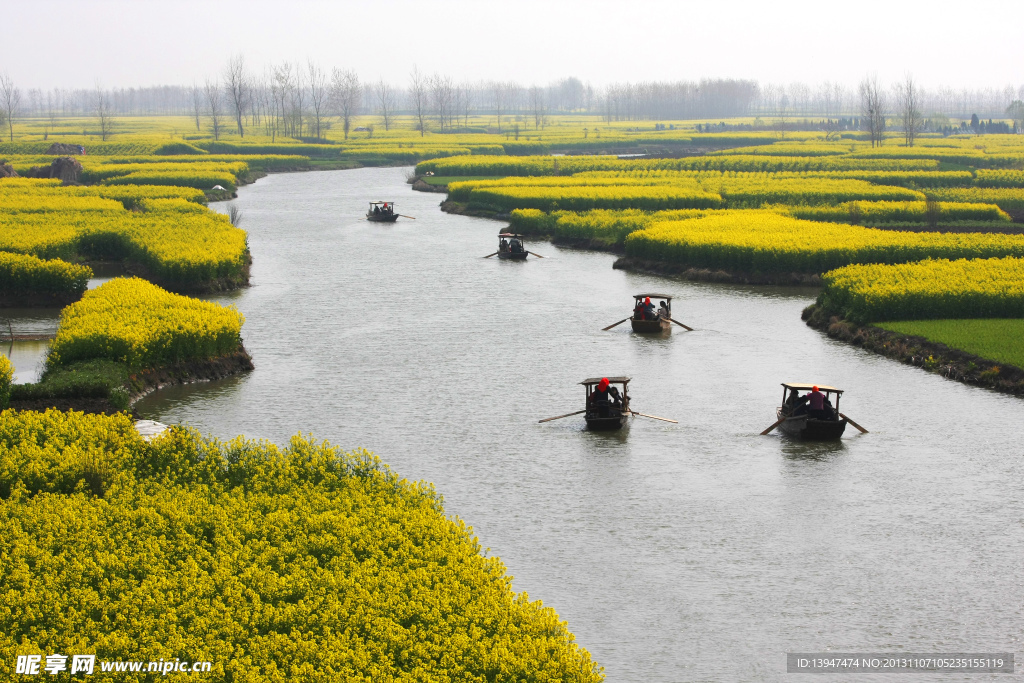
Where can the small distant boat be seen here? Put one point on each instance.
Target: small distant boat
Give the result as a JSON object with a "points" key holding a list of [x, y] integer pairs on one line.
{"points": [[382, 212], [510, 246], [662, 321], [797, 421], [651, 321], [608, 410]]}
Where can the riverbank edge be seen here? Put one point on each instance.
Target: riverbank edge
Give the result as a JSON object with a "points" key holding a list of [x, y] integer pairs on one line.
{"points": [[38, 299], [700, 274], [190, 372], [951, 363], [145, 382]]}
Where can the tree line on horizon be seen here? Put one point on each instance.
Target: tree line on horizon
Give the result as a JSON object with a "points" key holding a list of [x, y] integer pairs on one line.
{"points": [[297, 100]]}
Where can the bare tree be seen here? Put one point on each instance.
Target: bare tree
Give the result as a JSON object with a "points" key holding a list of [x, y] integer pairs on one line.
{"points": [[513, 97], [214, 107], [10, 101], [1016, 112], [281, 89], [196, 96], [782, 113], [908, 100], [318, 95], [499, 100], [51, 109], [872, 105], [104, 112], [466, 102], [536, 105], [441, 93], [237, 85], [832, 98], [385, 102], [418, 98], [346, 94], [298, 104]]}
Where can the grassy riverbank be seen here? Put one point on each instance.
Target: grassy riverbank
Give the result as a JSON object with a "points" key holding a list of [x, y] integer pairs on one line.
{"points": [[945, 347], [1001, 340]]}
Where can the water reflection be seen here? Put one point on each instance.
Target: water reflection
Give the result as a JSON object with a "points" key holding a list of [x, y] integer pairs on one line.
{"points": [[28, 359], [797, 449]]}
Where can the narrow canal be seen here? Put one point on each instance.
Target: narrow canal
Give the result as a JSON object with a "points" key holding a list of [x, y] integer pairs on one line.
{"points": [[697, 551]]}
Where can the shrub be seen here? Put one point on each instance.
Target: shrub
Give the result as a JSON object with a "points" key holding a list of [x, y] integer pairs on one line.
{"points": [[177, 148], [130, 321], [25, 274], [6, 377]]}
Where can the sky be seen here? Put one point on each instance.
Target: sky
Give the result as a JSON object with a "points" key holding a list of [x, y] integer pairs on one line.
{"points": [[117, 43]]}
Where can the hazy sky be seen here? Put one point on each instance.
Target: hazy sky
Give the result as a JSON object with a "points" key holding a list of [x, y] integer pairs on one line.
{"points": [[66, 43]]}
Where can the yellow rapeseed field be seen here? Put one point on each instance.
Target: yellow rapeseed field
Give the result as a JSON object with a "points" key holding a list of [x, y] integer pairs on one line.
{"points": [[768, 241], [180, 243], [929, 289], [275, 564], [131, 321]]}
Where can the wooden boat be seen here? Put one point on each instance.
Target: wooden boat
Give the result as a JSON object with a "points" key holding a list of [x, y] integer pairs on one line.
{"points": [[607, 417], [382, 212], [659, 324], [829, 425], [511, 247]]}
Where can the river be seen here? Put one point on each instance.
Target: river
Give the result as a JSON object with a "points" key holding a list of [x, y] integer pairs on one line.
{"points": [[697, 551]]}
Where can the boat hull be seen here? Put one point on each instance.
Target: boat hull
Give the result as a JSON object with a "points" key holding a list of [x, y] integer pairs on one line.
{"points": [[512, 256], [378, 218], [606, 424], [650, 326], [812, 429]]}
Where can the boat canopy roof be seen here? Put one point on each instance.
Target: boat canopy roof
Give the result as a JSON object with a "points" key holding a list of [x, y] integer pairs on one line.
{"points": [[510, 234], [372, 203], [804, 386], [653, 296], [611, 380]]}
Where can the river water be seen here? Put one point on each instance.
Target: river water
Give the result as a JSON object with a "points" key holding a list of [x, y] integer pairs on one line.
{"points": [[697, 551]]}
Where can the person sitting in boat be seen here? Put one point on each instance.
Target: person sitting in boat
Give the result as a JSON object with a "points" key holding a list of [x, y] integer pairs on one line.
{"points": [[376, 210], [793, 401], [816, 403], [663, 311], [503, 245], [516, 246], [649, 311], [828, 409], [604, 398], [388, 209]]}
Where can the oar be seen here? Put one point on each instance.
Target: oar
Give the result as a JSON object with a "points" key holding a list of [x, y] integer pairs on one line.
{"points": [[549, 419], [618, 323], [682, 325], [862, 430], [490, 255], [404, 216], [655, 417], [537, 255], [780, 421]]}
